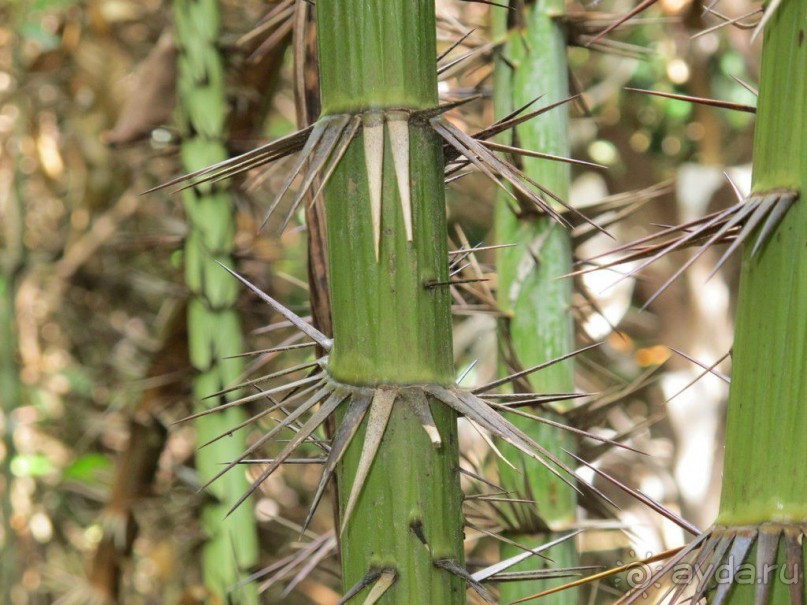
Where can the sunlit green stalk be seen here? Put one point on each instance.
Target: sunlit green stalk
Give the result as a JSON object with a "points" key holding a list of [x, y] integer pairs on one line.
{"points": [[390, 327], [12, 264], [539, 322], [10, 385], [764, 478], [214, 329], [767, 415]]}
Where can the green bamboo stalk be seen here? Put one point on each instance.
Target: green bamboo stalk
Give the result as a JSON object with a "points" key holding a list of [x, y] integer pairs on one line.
{"points": [[10, 400], [390, 328], [766, 411], [764, 491], [12, 264], [539, 324], [214, 329], [763, 478]]}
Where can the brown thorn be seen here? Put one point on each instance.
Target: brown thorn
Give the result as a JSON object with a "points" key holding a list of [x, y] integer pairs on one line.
{"points": [[644, 5], [699, 100], [659, 508]]}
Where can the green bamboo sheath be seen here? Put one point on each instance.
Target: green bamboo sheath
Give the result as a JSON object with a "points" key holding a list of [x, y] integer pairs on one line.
{"points": [[389, 327], [537, 304], [214, 329]]}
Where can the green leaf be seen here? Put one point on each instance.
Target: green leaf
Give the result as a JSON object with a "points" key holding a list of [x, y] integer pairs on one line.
{"points": [[32, 465], [87, 468]]}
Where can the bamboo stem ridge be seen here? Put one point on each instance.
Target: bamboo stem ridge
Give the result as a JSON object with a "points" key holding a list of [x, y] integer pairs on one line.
{"points": [[386, 230], [539, 324], [214, 329]]}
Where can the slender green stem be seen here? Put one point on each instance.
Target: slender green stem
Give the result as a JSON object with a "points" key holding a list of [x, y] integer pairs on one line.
{"points": [[12, 263], [539, 325], [10, 399], [390, 327], [764, 478], [214, 329]]}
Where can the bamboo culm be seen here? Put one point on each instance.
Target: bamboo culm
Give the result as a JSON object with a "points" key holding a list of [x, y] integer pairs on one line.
{"points": [[214, 329], [538, 326], [390, 330]]}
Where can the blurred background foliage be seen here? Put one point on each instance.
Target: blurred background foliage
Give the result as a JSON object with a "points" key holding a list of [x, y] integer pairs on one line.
{"points": [[92, 270]]}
